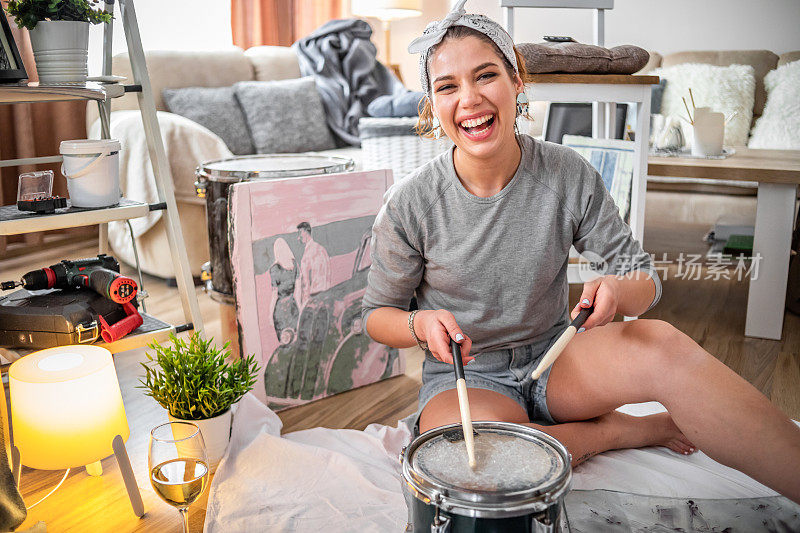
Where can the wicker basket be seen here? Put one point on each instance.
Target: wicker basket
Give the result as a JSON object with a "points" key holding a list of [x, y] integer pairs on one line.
{"points": [[392, 143]]}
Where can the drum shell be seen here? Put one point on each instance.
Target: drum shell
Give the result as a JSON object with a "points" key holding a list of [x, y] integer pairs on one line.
{"points": [[538, 509], [421, 519]]}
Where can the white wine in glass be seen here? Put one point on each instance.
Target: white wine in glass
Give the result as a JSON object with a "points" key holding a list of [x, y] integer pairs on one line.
{"points": [[178, 465]]}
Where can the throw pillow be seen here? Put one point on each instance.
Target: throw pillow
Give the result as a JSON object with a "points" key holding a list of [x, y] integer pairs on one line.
{"points": [[214, 108], [728, 90], [779, 125], [582, 58], [284, 116], [400, 105]]}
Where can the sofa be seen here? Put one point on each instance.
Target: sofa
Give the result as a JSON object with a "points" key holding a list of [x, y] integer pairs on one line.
{"points": [[187, 144], [693, 201]]}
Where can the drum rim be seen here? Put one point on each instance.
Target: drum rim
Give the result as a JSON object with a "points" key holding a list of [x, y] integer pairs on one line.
{"points": [[481, 504], [338, 164]]}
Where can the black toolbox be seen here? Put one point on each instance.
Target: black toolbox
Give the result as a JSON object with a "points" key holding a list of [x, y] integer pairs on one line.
{"points": [[47, 318]]}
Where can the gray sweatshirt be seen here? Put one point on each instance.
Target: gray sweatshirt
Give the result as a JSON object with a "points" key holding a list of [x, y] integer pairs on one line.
{"points": [[499, 264]]}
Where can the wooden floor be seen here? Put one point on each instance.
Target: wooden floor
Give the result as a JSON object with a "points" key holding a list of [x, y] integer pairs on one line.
{"points": [[711, 312]]}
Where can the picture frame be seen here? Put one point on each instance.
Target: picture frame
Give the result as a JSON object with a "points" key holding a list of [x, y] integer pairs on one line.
{"points": [[12, 68]]}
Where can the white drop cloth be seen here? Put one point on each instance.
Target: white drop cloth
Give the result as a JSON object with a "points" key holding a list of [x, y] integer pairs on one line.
{"points": [[346, 480]]}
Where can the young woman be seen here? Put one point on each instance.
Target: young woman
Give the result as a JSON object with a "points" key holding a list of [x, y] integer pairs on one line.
{"points": [[482, 234]]}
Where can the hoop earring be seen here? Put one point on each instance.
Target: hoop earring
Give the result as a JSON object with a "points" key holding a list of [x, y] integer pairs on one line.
{"points": [[522, 104]]}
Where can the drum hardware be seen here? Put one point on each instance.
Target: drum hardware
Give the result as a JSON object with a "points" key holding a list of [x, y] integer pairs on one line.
{"points": [[440, 524]]}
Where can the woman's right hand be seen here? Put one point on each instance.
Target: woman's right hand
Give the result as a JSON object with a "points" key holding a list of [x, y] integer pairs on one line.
{"points": [[437, 328]]}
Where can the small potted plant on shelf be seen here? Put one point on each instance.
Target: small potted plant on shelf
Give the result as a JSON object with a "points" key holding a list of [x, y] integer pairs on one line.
{"points": [[195, 382], [59, 35]]}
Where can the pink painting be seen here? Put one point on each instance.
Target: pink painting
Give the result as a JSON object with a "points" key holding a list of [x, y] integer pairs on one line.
{"points": [[300, 256]]}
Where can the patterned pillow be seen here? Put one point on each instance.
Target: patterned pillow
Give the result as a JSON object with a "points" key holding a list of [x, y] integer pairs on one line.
{"points": [[779, 125], [728, 90], [284, 116], [214, 108]]}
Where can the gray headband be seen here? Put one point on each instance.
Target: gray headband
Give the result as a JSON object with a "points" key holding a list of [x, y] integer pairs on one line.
{"points": [[436, 30]]}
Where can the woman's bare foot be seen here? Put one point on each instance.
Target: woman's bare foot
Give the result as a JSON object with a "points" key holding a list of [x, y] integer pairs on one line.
{"points": [[652, 430]]}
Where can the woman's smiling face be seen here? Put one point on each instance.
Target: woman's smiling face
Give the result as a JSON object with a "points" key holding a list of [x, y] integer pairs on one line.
{"points": [[473, 95]]}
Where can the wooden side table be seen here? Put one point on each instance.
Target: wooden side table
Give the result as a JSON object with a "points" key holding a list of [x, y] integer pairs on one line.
{"points": [[778, 175]]}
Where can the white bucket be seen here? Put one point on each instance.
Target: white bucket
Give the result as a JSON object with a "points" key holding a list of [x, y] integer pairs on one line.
{"points": [[92, 171]]}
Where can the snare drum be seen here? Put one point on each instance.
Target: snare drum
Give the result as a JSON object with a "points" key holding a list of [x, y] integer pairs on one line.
{"points": [[214, 179], [519, 484]]}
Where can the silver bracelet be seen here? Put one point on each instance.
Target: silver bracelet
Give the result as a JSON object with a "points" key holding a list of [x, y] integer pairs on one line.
{"points": [[421, 344]]}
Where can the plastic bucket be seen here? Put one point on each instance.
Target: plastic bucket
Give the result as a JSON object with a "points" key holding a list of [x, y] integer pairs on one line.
{"points": [[92, 171]]}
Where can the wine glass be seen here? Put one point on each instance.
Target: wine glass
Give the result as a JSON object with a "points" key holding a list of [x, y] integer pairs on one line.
{"points": [[178, 465]]}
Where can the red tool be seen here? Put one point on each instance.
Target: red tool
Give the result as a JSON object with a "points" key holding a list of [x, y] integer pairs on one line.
{"points": [[99, 273]]}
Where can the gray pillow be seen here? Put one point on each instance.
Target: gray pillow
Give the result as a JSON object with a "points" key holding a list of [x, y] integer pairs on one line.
{"points": [[582, 58], [215, 108], [284, 116]]}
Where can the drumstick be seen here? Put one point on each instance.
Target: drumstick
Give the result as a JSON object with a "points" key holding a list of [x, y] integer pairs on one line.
{"points": [[558, 346], [463, 402]]}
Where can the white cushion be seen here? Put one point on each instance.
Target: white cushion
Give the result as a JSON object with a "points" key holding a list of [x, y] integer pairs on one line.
{"points": [[779, 126], [724, 89]]}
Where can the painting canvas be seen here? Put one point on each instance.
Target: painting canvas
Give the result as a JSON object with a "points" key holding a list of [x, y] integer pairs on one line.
{"points": [[300, 258]]}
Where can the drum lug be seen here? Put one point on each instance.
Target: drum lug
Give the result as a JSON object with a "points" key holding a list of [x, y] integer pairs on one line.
{"points": [[441, 524], [200, 183], [402, 454]]}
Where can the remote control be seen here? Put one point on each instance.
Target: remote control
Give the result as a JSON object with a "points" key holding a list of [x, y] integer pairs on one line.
{"points": [[559, 39]]}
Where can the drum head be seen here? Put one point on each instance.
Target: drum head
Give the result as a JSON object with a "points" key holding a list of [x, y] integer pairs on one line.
{"points": [[265, 166], [506, 462], [518, 469]]}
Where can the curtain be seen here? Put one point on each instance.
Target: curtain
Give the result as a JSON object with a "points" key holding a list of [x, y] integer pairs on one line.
{"points": [[33, 130], [279, 22]]}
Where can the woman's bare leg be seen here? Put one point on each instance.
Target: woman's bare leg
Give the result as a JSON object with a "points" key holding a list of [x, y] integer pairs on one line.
{"points": [[644, 360], [583, 439]]}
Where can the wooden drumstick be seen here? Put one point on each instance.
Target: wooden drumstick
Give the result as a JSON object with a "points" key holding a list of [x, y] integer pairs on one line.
{"points": [[558, 346], [463, 402]]}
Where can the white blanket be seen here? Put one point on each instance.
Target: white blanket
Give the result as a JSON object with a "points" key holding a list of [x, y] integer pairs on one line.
{"points": [[186, 144], [346, 480]]}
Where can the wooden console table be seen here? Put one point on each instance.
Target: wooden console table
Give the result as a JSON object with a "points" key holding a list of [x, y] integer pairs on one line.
{"points": [[778, 175]]}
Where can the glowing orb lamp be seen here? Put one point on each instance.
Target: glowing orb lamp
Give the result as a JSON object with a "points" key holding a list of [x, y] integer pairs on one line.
{"points": [[67, 411]]}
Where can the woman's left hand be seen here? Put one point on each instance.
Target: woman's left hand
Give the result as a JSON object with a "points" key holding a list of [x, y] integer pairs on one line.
{"points": [[603, 294]]}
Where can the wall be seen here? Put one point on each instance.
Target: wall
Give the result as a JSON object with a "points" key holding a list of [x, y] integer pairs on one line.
{"points": [[170, 25], [664, 26]]}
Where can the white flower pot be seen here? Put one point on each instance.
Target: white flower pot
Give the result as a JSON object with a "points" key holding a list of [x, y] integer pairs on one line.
{"points": [[216, 435], [60, 48]]}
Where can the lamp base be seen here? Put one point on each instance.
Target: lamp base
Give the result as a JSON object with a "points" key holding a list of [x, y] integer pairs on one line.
{"points": [[124, 462], [95, 469]]}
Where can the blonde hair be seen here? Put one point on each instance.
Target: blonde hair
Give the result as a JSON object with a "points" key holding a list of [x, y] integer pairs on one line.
{"points": [[424, 126]]}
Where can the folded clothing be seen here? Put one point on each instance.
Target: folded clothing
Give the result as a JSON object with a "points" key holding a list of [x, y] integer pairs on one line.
{"points": [[396, 105], [582, 58]]}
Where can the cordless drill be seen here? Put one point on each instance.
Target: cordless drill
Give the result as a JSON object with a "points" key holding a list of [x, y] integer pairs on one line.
{"points": [[99, 273]]}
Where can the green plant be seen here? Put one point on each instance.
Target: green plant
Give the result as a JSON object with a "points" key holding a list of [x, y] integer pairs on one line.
{"points": [[27, 13], [193, 381]]}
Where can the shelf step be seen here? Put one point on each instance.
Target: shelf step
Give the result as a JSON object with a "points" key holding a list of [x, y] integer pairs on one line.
{"points": [[14, 222]]}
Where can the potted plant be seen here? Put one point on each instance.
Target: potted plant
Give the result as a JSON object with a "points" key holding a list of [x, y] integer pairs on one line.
{"points": [[59, 35], [194, 382]]}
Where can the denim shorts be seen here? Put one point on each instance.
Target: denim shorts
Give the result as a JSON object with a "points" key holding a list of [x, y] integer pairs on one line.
{"points": [[505, 371]]}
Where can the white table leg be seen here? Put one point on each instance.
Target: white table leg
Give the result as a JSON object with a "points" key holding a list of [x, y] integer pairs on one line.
{"points": [[772, 242], [640, 148]]}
